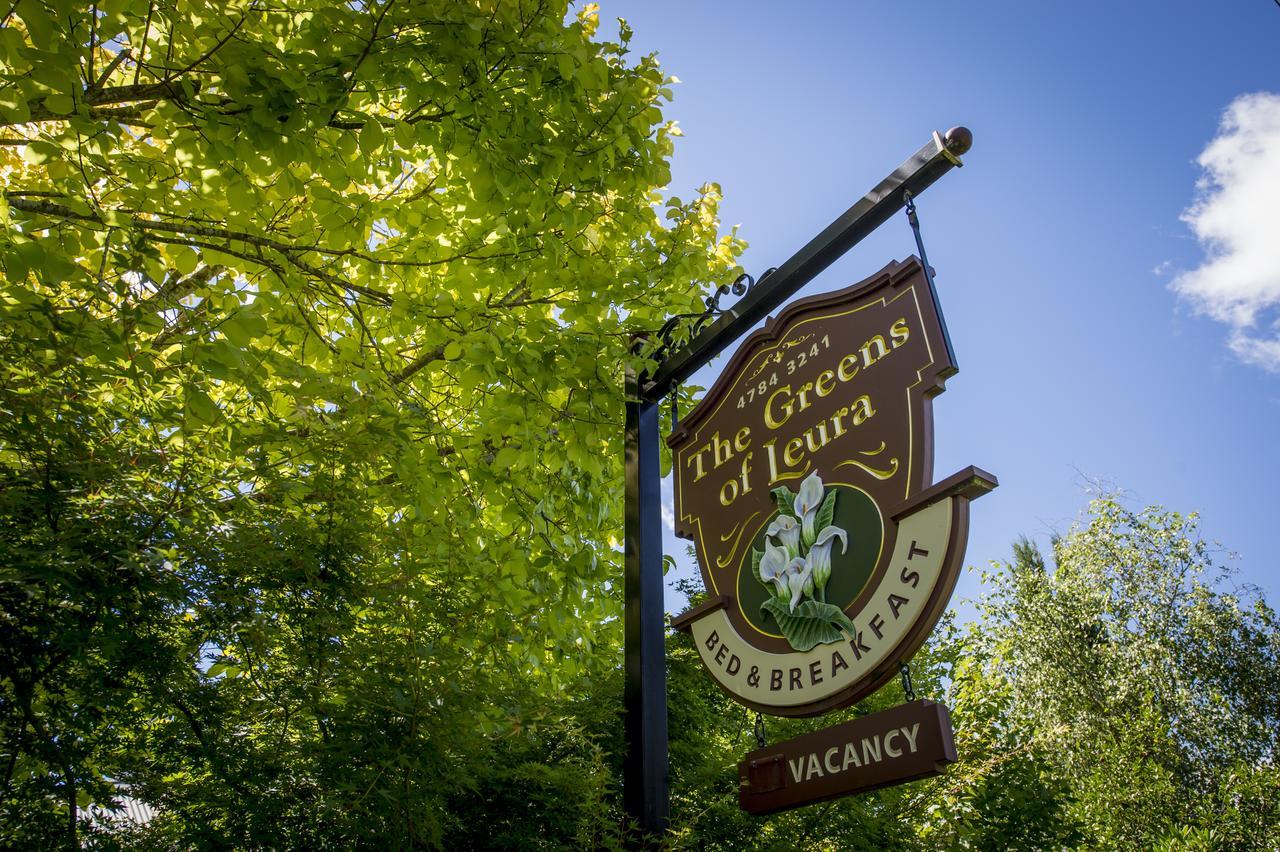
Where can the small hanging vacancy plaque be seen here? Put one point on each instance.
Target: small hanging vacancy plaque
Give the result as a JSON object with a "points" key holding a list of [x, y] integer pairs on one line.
{"points": [[904, 743], [805, 480]]}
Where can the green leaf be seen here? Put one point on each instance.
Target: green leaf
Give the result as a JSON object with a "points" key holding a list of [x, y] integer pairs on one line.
{"points": [[201, 408], [564, 64], [185, 260], [59, 103], [826, 512], [786, 500], [13, 106], [756, 556], [243, 326], [39, 23], [371, 137], [812, 623]]}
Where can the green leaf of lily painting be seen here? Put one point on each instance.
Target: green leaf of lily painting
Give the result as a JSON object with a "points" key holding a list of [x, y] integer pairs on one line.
{"points": [[783, 496], [827, 511], [810, 624]]}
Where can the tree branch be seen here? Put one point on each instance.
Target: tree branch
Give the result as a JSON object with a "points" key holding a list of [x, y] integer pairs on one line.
{"points": [[108, 96], [17, 201], [417, 364]]}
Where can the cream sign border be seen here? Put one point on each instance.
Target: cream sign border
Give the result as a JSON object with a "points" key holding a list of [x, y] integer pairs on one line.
{"points": [[899, 614]]}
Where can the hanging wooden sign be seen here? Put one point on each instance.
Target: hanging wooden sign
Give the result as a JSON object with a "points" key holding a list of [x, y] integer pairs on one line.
{"points": [[805, 480], [905, 743]]}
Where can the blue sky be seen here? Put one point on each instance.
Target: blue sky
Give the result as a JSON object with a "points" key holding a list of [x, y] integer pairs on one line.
{"points": [[1056, 245]]}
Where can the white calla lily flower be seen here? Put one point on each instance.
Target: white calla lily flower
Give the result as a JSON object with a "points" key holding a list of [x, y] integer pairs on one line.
{"points": [[806, 505], [819, 558], [799, 580], [773, 568], [785, 528]]}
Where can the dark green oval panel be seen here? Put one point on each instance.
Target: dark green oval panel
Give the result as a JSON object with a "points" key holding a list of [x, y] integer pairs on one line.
{"points": [[858, 516]]}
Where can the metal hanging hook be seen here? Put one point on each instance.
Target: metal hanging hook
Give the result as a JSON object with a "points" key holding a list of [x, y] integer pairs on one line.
{"points": [[761, 739]]}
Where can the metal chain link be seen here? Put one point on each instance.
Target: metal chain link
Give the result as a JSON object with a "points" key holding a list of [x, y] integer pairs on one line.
{"points": [[761, 739], [908, 688], [913, 219]]}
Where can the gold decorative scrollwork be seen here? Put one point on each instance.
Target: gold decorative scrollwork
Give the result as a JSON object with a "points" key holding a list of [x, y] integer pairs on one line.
{"points": [[776, 357], [878, 474], [738, 531]]}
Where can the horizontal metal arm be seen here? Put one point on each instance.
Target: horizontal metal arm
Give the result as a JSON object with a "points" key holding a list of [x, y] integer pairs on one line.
{"points": [[925, 166]]}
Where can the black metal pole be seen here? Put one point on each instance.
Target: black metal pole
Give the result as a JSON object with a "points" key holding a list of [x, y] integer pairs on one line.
{"points": [[645, 794], [925, 166]]}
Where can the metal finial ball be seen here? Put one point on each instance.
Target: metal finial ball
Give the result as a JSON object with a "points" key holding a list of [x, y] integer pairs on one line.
{"points": [[959, 140]]}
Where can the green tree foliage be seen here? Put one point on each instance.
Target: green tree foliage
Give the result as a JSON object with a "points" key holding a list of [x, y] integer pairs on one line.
{"points": [[1122, 699], [312, 339]]}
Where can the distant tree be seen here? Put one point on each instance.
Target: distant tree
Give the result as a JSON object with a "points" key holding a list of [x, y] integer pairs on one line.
{"points": [[1123, 698]]}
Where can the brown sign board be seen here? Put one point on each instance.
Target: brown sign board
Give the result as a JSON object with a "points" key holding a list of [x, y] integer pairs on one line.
{"points": [[905, 743], [804, 478]]}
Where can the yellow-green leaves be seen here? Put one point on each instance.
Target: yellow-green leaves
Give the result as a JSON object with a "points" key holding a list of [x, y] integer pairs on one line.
{"points": [[185, 260], [200, 407], [371, 138], [40, 22], [334, 303]]}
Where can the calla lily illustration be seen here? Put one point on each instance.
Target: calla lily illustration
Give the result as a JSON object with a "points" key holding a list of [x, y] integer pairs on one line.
{"points": [[799, 580], [788, 532], [796, 563], [819, 558], [773, 569], [806, 506]]}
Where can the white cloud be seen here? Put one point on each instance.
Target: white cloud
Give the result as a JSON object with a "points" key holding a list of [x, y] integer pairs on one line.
{"points": [[1236, 218]]}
